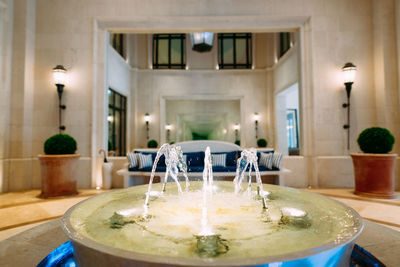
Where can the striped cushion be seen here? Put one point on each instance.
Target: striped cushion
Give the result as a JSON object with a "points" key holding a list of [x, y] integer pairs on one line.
{"points": [[145, 160], [132, 159], [276, 161], [266, 159], [218, 160]]}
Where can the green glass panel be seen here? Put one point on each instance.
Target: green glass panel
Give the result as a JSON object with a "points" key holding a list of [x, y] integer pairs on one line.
{"points": [[241, 57], [176, 51], [162, 51], [117, 122], [110, 97], [117, 100], [228, 51]]}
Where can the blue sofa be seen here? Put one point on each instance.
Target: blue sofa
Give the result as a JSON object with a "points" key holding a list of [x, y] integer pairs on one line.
{"points": [[194, 151]]}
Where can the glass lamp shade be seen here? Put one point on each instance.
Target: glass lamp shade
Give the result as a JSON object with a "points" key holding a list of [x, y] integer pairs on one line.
{"points": [[168, 127], [147, 117], [349, 72], [59, 75], [236, 127], [202, 41], [256, 117]]}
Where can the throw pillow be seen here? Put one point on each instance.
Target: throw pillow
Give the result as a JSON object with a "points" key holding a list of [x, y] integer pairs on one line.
{"points": [[218, 160], [266, 160], [132, 159], [145, 160], [276, 161]]}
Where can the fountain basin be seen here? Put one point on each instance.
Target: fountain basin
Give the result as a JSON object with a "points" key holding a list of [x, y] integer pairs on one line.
{"points": [[299, 228]]}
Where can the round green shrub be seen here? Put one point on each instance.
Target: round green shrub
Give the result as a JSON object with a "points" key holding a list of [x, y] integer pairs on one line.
{"points": [[152, 144], [60, 144], [262, 142], [237, 142], [376, 140]]}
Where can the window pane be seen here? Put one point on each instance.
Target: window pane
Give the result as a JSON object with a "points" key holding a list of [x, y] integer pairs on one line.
{"points": [[227, 52], [241, 53], [110, 120], [123, 105], [123, 133], [176, 51], [163, 51], [116, 119], [117, 100], [110, 97], [117, 123]]}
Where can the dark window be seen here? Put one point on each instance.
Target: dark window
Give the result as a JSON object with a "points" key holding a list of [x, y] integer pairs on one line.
{"points": [[118, 42], [234, 50], [116, 123], [284, 42], [169, 51]]}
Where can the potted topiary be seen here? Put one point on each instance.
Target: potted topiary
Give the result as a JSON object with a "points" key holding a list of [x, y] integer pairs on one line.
{"points": [[58, 166], [262, 142], [374, 169], [152, 144]]}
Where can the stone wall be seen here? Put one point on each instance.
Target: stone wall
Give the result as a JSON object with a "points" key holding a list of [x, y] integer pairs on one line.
{"points": [[72, 33]]}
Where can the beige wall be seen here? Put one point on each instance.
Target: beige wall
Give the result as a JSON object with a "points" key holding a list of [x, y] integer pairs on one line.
{"points": [[6, 34], [155, 85], [331, 34]]}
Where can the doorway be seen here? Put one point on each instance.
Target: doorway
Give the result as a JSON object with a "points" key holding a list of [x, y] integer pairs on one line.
{"points": [[287, 120]]}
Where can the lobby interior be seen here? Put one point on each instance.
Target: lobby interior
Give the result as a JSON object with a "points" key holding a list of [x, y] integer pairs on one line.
{"points": [[282, 80]]}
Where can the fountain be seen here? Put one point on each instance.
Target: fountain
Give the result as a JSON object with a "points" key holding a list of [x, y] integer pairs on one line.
{"points": [[211, 223]]}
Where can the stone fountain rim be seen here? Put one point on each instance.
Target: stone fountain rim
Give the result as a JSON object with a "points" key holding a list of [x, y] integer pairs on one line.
{"points": [[76, 237]]}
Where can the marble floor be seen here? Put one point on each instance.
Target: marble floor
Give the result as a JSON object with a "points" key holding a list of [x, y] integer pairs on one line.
{"points": [[20, 211]]}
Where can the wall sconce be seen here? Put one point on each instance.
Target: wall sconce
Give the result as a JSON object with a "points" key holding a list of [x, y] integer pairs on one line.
{"points": [[349, 73], [147, 120], [236, 127], [256, 118], [168, 127], [59, 78]]}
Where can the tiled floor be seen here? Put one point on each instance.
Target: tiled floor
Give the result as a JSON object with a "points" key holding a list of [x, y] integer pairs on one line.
{"points": [[20, 211]]}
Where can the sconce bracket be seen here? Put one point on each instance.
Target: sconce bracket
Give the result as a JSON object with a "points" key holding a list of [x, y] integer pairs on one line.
{"points": [[348, 88], [60, 89], [346, 105], [346, 126], [62, 127]]}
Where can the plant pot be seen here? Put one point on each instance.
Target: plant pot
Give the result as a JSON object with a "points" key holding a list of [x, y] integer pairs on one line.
{"points": [[58, 174], [374, 174]]}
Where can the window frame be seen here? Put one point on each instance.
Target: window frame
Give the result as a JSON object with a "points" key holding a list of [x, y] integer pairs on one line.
{"points": [[234, 37], [122, 109], [169, 37]]}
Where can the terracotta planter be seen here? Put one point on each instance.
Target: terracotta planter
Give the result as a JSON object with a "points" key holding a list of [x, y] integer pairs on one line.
{"points": [[374, 174], [58, 174]]}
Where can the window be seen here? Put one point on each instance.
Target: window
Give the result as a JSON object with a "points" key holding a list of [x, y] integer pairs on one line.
{"points": [[292, 131], [116, 123], [284, 42], [117, 41], [234, 50], [169, 51]]}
